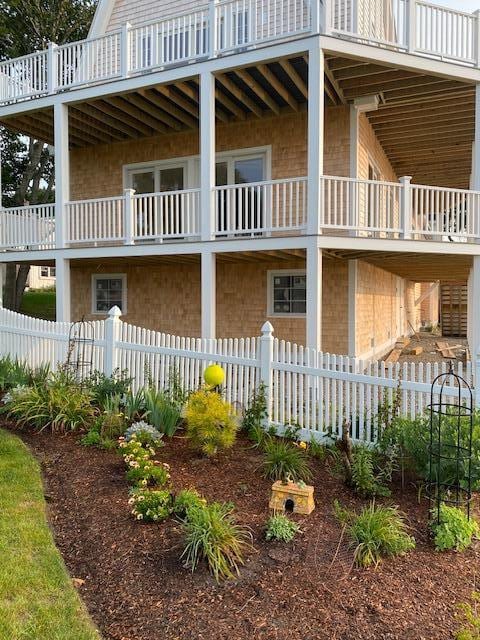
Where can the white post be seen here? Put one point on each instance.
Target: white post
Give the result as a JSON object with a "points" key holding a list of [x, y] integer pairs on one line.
{"points": [[207, 155], [473, 320], [477, 37], [62, 173], [327, 15], [2, 269], [62, 287], [129, 210], [411, 26], [212, 28], [125, 50], [266, 371], [354, 136], [112, 327], [314, 297], [52, 67], [476, 143], [406, 207], [316, 115], [208, 294], [352, 307]]}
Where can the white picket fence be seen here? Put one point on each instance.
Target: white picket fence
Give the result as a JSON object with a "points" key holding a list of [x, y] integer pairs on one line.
{"points": [[315, 391]]}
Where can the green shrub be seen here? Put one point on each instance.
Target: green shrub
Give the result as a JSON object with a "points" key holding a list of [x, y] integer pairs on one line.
{"points": [[364, 479], [151, 505], [284, 461], [375, 532], [454, 531], [142, 470], [211, 534], [112, 420], [14, 373], [471, 619], [281, 528], [211, 423], [133, 405], [103, 387], [161, 411], [92, 438], [187, 499], [59, 404], [255, 415], [144, 433]]}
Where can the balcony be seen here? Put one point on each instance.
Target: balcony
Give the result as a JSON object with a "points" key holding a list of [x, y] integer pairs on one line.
{"points": [[230, 26], [349, 207]]}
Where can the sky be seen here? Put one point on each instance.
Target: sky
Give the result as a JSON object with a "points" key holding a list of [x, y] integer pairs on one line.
{"points": [[463, 5]]}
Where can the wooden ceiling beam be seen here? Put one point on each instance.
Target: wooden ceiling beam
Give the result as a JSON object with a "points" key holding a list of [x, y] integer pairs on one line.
{"points": [[425, 133], [155, 112], [140, 115], [168, 107], [388, 78], [282, 91], [421, 118], [118, 114], [258, 90], [230, 105], [86, 124], [31, 128], [239, 94], [102, 118], [421, 90], [295, 77], [358, 71], [179, 100]]}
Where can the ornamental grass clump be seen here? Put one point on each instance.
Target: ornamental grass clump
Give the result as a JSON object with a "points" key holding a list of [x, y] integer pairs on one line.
{"points": [[211, 424], [280, 527], [212, 535], [453, 530], [285, 461], [375, 532], [163, 412], [186, 500]]}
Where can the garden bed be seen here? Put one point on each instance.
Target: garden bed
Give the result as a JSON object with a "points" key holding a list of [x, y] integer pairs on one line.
{"points": [[136, 588]]}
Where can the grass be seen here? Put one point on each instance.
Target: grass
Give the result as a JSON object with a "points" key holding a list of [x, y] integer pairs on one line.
{"points": [[37, 598], [39, 303]]}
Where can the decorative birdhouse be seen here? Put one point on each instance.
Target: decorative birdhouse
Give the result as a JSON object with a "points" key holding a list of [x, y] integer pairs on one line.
{"points": [[293, 497]]}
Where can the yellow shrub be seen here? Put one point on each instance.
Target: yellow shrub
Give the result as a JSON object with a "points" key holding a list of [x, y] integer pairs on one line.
{"points": [[211, 422]]}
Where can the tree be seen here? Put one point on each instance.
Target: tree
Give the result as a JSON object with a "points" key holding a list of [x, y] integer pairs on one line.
{"points": [[27, 164]]}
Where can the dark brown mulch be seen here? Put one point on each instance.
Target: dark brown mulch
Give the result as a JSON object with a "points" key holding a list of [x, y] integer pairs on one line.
{"points": [[136, 588]]}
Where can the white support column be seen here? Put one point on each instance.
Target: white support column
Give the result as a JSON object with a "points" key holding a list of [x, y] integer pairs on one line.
{"points": [[208, 294], [62, 272], [411, 25], [314, 296], [354, 131], [62, 172], [476, 143], [207, 155], [2, 282], [316, 117], [473, 321], [352, 307]]}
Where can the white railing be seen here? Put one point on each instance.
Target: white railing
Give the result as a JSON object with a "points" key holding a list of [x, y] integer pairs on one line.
{"points": [[317, 391], [223, 26], [96, 221], [29, 227], [172, 214], [176, 39], [261, 207]]}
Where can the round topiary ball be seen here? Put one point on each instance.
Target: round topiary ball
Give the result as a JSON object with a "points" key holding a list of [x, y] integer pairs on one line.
{"points": [[214, 375]]}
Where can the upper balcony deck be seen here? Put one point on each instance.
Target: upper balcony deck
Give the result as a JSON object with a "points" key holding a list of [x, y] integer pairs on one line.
{"points": [[232, 26]]}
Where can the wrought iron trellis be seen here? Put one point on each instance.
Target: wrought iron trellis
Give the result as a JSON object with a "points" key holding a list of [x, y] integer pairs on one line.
{"points": [[450, 448], [80, 349]]}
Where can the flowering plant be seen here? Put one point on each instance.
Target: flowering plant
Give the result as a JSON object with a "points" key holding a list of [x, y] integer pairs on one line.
{"points": [[151, 505], [144, 433], [142, 470]]}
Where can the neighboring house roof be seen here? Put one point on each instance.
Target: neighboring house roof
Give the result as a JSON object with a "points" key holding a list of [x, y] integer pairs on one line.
{"points": [[101, 18]]}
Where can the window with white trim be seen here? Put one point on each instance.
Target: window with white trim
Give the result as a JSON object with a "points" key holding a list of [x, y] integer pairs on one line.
{"points": [[109, 290], [47, 272], [287, 293]]}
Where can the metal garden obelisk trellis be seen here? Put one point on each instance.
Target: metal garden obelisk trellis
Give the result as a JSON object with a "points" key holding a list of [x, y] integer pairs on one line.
{"points": [[450, 448], [81, 341]]}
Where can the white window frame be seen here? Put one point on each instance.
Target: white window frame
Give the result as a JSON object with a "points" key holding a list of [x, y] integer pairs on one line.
{"points": [[270, 302], [49, 275], [191, 166], [107, 276]]}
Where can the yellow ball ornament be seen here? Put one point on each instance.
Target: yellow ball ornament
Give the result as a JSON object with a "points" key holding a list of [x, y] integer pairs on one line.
{"points": [[214, 375]]}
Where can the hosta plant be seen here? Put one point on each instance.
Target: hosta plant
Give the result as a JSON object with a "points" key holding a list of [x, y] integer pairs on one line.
{"points": [[151, 505], [280, 527], [211, 422], [212, 535], [453, 530]]}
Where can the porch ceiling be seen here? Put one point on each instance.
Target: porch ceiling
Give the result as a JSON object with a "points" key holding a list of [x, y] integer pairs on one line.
{"points": [[251, 92], [417, 267], [424, 123]]}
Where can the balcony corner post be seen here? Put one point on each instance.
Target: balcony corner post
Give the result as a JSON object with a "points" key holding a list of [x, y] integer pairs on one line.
{"points": [[323, 22], [406, 207], [129, 216], [207, 156], [411, 25], [52, 67], [62, 173], [212, 28], [477, 38], [316, 116], [125, 50]]}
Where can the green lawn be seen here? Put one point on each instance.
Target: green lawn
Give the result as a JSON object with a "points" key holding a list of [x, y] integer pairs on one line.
{"points": [[39, 303], [37, 598]]}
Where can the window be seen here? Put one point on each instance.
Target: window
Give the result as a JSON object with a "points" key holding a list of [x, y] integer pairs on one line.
{"points": [[287, 293], [109, 291], [47, 272]]}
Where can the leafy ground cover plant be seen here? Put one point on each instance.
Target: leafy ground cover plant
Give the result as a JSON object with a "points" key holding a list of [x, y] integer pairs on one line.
{"points": [[186, 500], [454, 531], [375, 532], [103, 387], [59, 404], [365, 480], [211, 424], [470, 616], [151, 505], [144, 433], [280, 527], [212, 535], [284, 460]]}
